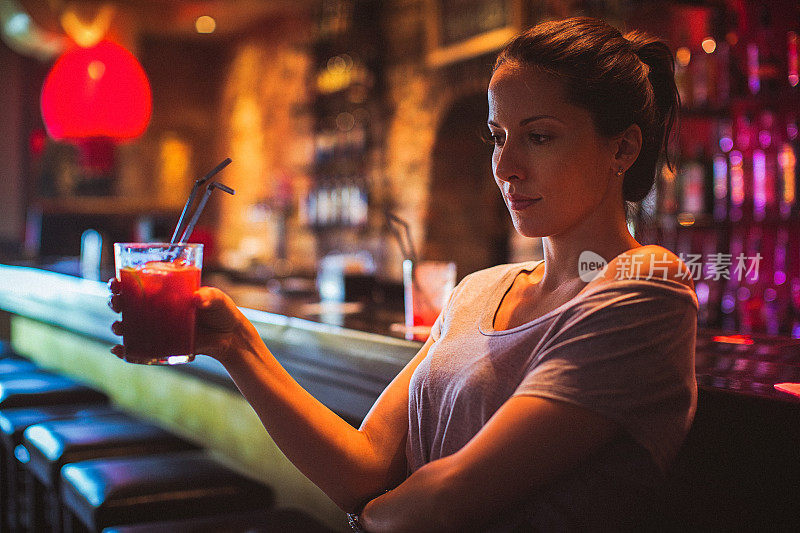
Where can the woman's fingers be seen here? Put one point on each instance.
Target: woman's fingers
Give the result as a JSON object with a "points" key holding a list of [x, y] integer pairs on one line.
{"points": [[114, 303], [114, 300], [118, 350], [116, 327], [114, 286]]}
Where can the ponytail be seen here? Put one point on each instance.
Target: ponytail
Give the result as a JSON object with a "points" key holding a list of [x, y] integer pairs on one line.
{"points": [[660, 72]]}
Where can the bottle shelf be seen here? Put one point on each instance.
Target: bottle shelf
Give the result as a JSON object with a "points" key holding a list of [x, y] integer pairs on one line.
{"points": [[106, 206]]}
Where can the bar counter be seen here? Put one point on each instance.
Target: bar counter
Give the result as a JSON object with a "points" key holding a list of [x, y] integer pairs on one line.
{"points": [[63, 323], [345, 354]]}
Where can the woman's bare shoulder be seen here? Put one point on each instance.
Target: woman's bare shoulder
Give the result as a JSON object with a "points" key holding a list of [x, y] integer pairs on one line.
{"points": [[649, 262]]}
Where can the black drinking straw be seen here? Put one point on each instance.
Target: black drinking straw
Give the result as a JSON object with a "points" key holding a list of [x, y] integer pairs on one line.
{"points": [[408, 251], [192, 195], [211, 186]]}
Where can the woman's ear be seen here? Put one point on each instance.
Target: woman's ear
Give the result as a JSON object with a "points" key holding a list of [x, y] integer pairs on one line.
{"points": [[626, 147]]}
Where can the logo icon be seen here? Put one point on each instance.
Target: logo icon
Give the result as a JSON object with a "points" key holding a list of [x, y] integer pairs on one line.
{"points": [[590, 265]]}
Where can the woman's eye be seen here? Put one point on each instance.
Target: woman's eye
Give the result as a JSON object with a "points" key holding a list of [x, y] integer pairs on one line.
{"points": [[494, 139], [537, 138]]}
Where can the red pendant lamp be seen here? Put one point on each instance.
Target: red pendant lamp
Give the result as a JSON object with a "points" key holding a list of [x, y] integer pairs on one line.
{"points": [[98, 92]]}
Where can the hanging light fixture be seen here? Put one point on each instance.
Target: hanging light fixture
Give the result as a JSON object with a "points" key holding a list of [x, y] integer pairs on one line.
{"points": [[100, 91]]}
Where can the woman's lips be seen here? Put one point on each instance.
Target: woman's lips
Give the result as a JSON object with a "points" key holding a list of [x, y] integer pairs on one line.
{"points": [[518, 203]]}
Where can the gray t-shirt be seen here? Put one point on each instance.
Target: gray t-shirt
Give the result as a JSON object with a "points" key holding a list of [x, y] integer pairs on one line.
{"points": [[623, 349]]}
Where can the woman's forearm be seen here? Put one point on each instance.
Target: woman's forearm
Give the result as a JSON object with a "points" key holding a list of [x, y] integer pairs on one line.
{"points": [[333, 454], [427, 501]]}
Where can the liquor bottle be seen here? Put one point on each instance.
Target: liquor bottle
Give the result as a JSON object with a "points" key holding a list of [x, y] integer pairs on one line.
{"points": [[728, 306], [794, 301], [759, 185], [719, 169], [770, 139], [787, 168], [764, 178], [720, 176], [692, 182], [740, 160], [336, 200], [791, 57], [362, 201], [753, 78], [323, 204], [307, 212], [683, 79], [763, 63], [776, 298], [736, 161], [722, 92], [345, 204], [750, 301], [667, 193], [699, 69], [787, 171], [712, 288]]}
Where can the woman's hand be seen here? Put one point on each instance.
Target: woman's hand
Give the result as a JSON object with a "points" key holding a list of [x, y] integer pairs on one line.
{"points": [[219, 322]]}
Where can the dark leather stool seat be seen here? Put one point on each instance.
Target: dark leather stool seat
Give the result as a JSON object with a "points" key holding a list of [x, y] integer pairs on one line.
{"points": [[11, 365], [51, 445], [32, 389], [136, 490], [12, 423], [28, 389], [6, 350], [272, 521]]}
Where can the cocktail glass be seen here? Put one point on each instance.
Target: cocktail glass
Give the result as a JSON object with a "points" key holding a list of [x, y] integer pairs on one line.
{"points": [[427, 285], [158, 281]]}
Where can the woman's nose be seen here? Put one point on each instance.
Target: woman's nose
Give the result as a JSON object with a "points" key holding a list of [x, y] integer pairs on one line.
{"points": [[506, 163]]}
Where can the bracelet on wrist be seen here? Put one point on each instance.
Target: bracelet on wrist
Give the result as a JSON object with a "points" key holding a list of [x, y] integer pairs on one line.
{"points": [[354, 520]]}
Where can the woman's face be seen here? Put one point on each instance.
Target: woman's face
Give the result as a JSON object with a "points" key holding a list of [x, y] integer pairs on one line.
{"points": [[551, 165]]}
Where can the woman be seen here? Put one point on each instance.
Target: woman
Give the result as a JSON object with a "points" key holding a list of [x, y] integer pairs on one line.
{"points": [[542, 399]]}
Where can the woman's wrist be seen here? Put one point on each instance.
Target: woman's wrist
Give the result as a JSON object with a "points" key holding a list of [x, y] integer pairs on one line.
{"points": [[365, 517], [244, 344]]}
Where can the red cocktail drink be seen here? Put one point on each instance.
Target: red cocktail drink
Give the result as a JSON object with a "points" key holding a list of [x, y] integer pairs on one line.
{"points": [[158, 315]]}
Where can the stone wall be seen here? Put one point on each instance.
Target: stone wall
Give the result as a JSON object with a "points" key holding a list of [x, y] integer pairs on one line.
{"points": [[267, 130], [265, 126], [420, 96]]}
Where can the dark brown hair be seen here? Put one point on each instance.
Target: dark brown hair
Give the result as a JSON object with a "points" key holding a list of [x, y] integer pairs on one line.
{"points": [[620, 79]]}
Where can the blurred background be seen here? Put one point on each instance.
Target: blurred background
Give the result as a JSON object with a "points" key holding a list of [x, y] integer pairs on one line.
{"points": [[337, 111]]}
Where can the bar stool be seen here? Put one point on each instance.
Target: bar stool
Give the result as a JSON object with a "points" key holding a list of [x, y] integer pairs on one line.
{"points": [[271, 521], [26, 389], [51, 445], [6, 350], [12, 423], [138, 490], [30, 389]]}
